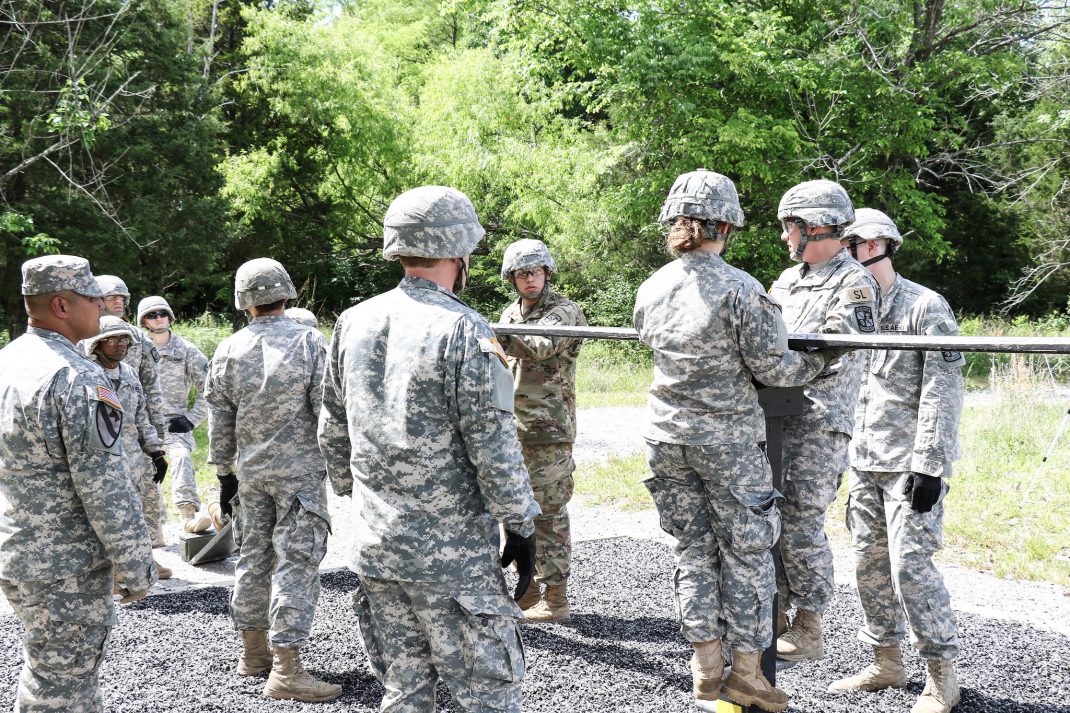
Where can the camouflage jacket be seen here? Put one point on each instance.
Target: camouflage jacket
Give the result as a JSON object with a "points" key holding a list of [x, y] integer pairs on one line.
{"points": [[144, 359], [544, 370], [417, 422], [139, 436], [66, 503], [265, 387], [907, 418], [183, 367], [837, 297], [713, 329]]}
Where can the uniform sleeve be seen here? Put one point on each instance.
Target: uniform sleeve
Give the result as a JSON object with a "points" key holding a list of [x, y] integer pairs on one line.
{"points": [[333, 429], [530, 346], [763, 344], [149, 373], [941, 399], [146, 433], [480, 388], [196, 371], [222, 434], [94, 455], [854, 307]]}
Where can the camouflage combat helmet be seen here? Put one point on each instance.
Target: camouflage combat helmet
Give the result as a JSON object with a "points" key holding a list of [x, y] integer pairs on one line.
{"points": [[816, 203], [109, 327], [302, 316], [527, 253], [431, 222], [705, 195], [151, 304], [261, 282], [871, 224], [112, 285]]}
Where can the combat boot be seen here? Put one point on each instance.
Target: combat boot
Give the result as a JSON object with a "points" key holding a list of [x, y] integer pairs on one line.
{"points": [[553, 607], [163, 572], [707, 670], [941, 692], [781, 622], [255, 656], [748, 686], [531, 597], [193, 521], [885, 672], [802, 640], [290, 681], [216, 513]]}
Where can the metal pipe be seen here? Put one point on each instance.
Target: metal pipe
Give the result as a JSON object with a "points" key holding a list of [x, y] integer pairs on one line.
{"points": [[903, 342]]}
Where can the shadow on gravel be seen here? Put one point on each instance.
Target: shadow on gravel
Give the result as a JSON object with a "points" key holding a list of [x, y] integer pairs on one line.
{"points": [[622, 652]]}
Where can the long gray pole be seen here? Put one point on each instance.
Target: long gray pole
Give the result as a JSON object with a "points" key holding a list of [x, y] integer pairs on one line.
{"points": [[1014, 345]]}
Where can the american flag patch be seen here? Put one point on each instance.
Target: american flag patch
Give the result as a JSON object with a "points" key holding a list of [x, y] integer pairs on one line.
{"points": [[490, 345], [108, 396]]}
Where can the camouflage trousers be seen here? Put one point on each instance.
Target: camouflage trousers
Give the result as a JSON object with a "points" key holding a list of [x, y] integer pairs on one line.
{"points": [[67, 624], [178, 447], [550, 466], [895, 573], [282, 526], [719, 503], [463, 631], [151, 496], [814, 463]]}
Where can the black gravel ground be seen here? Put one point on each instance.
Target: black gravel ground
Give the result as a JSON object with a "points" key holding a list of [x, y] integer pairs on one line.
{"points": [[622, 652]]}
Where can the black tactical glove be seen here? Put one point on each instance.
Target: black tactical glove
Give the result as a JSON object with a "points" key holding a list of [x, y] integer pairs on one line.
{"points": [[180, 424], [228, 488], [160, 463], [924, 491], [522, 551]]}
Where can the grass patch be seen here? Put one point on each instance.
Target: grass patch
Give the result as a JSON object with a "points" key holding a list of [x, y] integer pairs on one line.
{"points": [[616, 483], [612, 375]]}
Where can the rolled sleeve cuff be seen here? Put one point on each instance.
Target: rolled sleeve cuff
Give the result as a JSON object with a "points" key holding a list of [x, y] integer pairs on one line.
{"points": [[524, 529]]}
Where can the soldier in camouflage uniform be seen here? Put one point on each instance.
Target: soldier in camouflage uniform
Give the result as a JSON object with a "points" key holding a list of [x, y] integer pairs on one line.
{"points": [[182, 367], [305, 317], [69, 516], [142, 447], [713, 331], [544, 378], [905, 440], [828, 293], [141, 355], [432, 472], [265, 387]]}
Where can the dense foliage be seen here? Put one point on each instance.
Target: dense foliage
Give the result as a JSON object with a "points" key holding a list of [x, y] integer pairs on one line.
{"points": [[170, 140]]}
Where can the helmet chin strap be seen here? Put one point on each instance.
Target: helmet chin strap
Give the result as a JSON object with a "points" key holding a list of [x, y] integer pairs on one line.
{"points": [[159, 330], [462, 278], [882, 256], [852, 246]]}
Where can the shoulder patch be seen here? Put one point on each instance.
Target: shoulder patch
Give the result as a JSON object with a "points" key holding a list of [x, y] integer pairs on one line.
{"points": [[155, 354], [952, 357], [551, 319], [490, 345], [108, 396], [864, 318], [857, 294]]}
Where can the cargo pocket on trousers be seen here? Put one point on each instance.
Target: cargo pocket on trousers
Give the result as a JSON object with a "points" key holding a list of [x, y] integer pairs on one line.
{"points": [[664, 493], [313, 525], [757, 527], [368, 638], [77, 634], [492, 647]]}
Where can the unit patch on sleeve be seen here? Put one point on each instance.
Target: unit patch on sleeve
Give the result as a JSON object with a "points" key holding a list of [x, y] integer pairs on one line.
{"points": [[952, 357], [864, 317], [551, 319], [155, 354], [490, 345]]}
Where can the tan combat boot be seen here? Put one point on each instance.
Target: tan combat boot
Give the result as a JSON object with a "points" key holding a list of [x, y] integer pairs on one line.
{"points": [[802, 641], [290, 681], [255, 656], [553, 607], [193, 521], [886, 672], [748, 686], [531, 596], [781, 622], [707, 670], [941, 692], [216, 513], [164, 572]]}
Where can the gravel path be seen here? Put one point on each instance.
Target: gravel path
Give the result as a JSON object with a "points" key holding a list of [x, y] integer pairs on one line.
{"points": [[622, 652]]}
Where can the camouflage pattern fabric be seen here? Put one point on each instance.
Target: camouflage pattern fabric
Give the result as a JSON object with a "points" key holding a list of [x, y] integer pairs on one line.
{"points": [[814, 462], [68, 623], [431, 221], [818, 203], [544, 370], [551, 467], [718, 502], [57, 273], [527, 252], [264, 386], [430, 478], [907, 421], [894, 570], [713, 330], [262, 281], [462, 631], [283, 528], [704, 195], [907, 416], [182, 368], [145, 358], [67, 509]]}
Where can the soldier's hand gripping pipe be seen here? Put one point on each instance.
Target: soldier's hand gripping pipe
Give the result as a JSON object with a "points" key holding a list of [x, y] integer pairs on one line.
{"points": [[522, 551]]}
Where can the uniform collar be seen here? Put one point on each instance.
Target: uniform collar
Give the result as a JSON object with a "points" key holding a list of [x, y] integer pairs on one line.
{"points": [[539, 304], [261, 320], [410, 282], [820, 273], [55, 337]]}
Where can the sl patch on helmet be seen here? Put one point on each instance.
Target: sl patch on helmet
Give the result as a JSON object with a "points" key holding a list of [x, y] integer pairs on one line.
{"points": [[864, 317]]}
